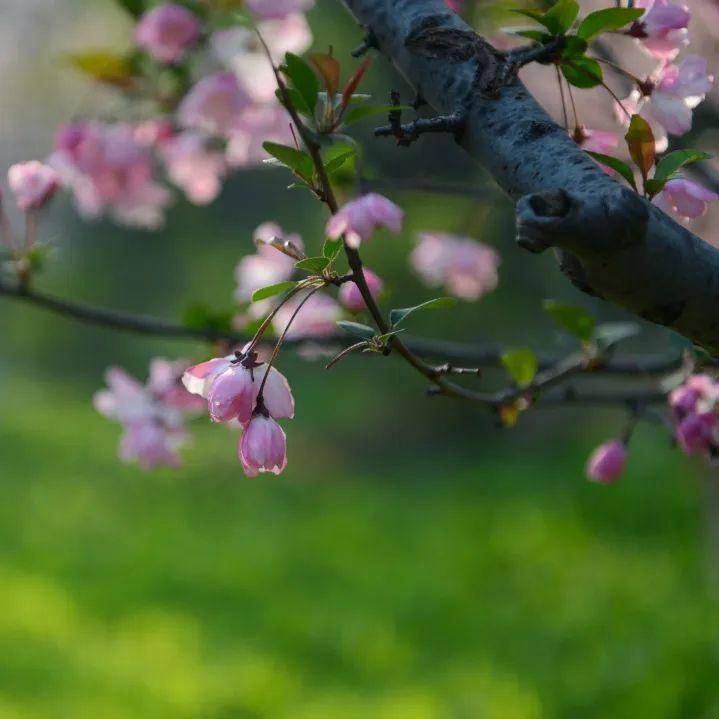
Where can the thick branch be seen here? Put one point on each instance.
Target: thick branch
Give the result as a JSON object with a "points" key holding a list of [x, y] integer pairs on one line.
{"points": [[610, 242]]}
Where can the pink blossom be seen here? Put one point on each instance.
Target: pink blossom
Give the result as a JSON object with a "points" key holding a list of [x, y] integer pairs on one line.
{"points": [[232, 395], [263, 446], [165, 384], [109, 171], [662, 30], [695, 433], [700, 393], [193, 166], [277, 8], [317, 318], [606, 463], [215, 105], [466, 268], [359, 218], [198, 379], [684, 198], [268, 265], [350, 296], [166, 31], [595, 140], [151, 445], [258, 124], [33, 184]]}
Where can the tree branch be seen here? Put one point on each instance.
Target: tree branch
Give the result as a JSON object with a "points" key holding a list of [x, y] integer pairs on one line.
{"points": [[610, 242]]}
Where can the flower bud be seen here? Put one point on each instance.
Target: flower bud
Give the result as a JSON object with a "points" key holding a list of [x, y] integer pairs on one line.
{"points": [[33, 184], [351, 297], [263, 447], [606, 463]]}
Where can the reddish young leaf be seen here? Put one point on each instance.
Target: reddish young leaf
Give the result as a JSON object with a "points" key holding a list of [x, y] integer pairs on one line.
{"points": [[354, 81], [329, 69], [642, 148]]}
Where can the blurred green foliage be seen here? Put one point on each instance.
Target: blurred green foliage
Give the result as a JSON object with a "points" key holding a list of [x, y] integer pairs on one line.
{"points": [[414, 562]]}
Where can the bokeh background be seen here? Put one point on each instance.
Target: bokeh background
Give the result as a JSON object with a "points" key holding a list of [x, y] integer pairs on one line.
{"points": [[414, 561]]}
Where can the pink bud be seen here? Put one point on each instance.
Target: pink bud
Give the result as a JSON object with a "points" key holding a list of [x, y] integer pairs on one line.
{"points": [[263, 447], [166, 31], [606, 463], [359, 218], [33, 184], [232, 395], [695, 432], [350, 296]]}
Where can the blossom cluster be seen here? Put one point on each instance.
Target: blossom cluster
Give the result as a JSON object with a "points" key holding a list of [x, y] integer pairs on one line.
{"points": [[694, 408]]}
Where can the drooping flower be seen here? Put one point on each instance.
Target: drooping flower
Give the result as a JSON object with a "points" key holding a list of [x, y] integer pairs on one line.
{"points": [[350, 296], [232, 394], [464, 267], [684, 198], [359, 218], [109, 171], [317, 318], [167, 31], [263, 446], [193, 166], [214, 105], [695, 433], [33, 184], [606, 463], [662, 29], [278, 8]]}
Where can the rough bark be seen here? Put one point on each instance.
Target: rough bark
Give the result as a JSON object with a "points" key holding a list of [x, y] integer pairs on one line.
{"points": [[610, 242]]}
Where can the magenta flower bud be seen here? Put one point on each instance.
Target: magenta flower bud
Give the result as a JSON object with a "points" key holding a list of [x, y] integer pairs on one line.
{"points": [[263, 447], [33, 184], [606, 463], [165, 32], [695, 433], [232, 395], [350, 296], [359, 218], [683, 401]]}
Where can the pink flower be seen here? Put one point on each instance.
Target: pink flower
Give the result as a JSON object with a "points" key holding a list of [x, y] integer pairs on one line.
{"points": [[277, 8], [165, 384], [151, 446], [317, 318], [595, 140], [359, 218], [192, 166], [684, 198], [256, 125], [215, 105], [33, 184], [268, 265], [166, 32], [109, 171], [662, 30], [606, 463], [198, 379], [350, 296], [466, 268], [695, 433], [232, 395], [263, 447]]}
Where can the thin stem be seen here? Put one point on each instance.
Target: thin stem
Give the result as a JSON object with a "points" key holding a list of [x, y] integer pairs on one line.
{"points": [[561, 94], [618, 68]]}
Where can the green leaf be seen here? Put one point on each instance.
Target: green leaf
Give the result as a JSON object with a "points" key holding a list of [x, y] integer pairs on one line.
{"points": [[575, 320], [642, 148], [561, 16], [397, 316], [296, 100], [621, 167], [313, 264], [361, 113], [521, 365], [612, 18], [102, 66], [339, 160], [357, 329], [610, 333], [272, 290], [672, 162], [303, 79], [583, 72], [297, 160], [331, 248], [537, 35]]}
